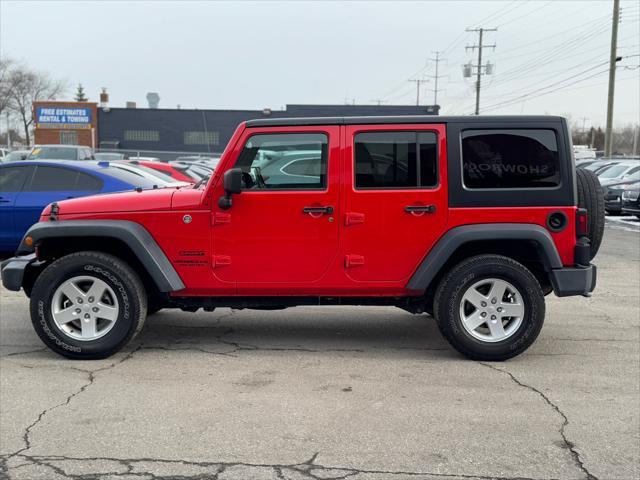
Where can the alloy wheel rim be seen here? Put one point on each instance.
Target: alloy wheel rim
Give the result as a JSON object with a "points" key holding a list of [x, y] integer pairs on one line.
{"points": [[84, 308], [492, 310]]}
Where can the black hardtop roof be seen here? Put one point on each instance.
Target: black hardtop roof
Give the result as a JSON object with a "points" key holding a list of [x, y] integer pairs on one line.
{"points": [[385, 120]]}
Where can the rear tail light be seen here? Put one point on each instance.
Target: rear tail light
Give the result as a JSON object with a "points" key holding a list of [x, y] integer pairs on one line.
{"points": [[582, 224]]}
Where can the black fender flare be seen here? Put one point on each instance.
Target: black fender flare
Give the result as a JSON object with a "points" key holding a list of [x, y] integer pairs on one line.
{"points": [[458, 236], [134, 235]]}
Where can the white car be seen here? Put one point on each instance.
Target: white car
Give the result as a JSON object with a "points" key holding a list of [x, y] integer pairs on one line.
{"points": [[618, 172]]}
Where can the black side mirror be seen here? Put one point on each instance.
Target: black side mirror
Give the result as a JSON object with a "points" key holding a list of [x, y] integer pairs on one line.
{"points": [[232, 182]]}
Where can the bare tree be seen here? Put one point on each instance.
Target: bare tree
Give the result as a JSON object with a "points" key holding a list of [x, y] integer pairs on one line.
{"points": [[6, 65], [28, 86]]}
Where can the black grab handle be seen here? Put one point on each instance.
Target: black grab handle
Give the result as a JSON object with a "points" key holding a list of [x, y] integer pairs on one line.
{"points": [[328, 209], [420, 208]]}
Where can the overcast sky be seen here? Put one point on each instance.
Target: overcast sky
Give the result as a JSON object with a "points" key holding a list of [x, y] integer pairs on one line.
{"points": [[251, 55]]}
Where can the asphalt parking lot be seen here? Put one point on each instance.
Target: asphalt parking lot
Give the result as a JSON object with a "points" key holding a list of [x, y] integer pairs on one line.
{"points": [[358, 393]]}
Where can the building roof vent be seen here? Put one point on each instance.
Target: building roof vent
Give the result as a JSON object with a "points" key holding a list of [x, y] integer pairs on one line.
{"points": [[153, 99], [104, 98]]}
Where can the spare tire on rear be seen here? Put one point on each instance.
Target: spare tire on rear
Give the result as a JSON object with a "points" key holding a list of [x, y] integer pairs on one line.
{"points": [[591, 198]]}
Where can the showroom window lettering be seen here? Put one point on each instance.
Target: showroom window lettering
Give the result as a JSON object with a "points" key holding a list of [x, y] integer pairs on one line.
{"points": [[510, 159]]}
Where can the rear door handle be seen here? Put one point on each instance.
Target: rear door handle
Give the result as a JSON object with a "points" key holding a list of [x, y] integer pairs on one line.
{"points": [[4, 200], [321, 210], [420, 208]]}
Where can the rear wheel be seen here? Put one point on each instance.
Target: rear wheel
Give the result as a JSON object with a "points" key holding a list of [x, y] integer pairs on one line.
{"points": [[591, 198], [88, 305], [489, 307]]}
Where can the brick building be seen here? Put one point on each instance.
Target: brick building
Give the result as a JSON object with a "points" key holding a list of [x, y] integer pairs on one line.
{"points": [[71, 123]]}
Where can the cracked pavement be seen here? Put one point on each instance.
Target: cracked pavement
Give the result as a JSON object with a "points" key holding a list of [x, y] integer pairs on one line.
{"points": [[332, 393]]}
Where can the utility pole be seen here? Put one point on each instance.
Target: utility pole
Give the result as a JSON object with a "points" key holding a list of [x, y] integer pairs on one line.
{"points": [[584, 122], [437, 61], [418, 81], [608, 140], [634, 150], [479, 66]]}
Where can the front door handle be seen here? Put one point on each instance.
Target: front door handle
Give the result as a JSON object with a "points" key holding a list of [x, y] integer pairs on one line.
{"points": [[321, 210], [420, 208], [4, 200]]}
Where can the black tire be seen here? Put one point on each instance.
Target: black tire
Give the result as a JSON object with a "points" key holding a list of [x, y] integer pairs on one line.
{"points": [[123, 281], [591, 198], [460, 278]]}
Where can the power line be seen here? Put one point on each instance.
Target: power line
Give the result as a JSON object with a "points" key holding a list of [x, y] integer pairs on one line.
{"points": [[401, 85], [622, 79], [501, 12], [526, 14], [584, 27], [556, 53], [503, 79], [541, 90]]}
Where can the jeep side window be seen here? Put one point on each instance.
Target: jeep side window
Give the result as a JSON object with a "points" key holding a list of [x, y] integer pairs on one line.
{"points": [[396, 160], [291, 161], [510, 159]]}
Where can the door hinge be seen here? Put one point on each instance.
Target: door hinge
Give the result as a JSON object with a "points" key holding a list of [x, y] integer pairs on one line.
{"points": [[221, 261], [220, 218], [352, 218], [353, 261]]}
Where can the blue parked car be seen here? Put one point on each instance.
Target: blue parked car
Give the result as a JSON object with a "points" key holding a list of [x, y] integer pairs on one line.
{"points": [[27, 187]]}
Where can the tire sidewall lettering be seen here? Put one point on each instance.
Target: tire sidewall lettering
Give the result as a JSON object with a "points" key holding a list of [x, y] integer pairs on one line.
{"points": [[115, 282], [45, 327]]}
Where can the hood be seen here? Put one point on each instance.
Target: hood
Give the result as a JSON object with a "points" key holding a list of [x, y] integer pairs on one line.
{"points": [[615, 182], [130, 201]]}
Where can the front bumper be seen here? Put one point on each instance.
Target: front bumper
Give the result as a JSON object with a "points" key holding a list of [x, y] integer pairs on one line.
{"points": [[631, 209], [13, 271], [574, 280]]}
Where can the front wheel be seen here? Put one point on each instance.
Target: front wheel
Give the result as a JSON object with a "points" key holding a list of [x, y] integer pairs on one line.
{"points": [[88, 305], [489, 307]]}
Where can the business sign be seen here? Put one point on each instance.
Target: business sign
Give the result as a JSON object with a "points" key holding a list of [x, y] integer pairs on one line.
{"points": [[63, 117]]}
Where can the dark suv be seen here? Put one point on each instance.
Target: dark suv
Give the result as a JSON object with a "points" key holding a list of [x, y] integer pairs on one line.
{"points": [[470, 219]]}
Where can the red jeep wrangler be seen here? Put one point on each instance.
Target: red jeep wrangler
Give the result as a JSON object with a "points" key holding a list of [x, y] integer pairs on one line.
{"points": [[471, 219]]}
